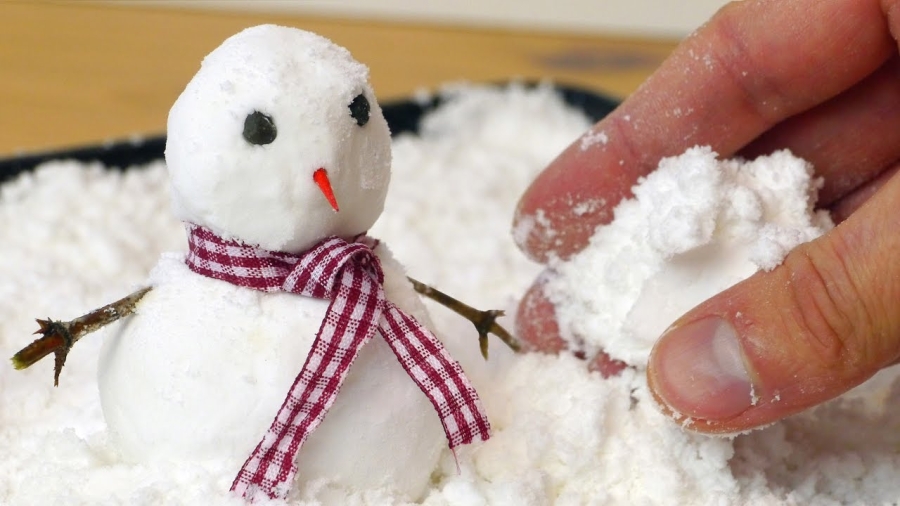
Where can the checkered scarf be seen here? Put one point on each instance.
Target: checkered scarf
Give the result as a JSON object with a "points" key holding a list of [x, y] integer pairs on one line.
{"points": [[350, 275]]}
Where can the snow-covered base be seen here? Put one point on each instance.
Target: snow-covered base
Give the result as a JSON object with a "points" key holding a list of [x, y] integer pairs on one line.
{"points": [[76, 237]]}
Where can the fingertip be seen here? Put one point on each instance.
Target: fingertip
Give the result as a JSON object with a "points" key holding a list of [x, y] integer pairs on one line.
{"points": [[535, 322], [537, 327], [698, 369], [607, 366], [701, 384], [736, 363], [559, 211]]}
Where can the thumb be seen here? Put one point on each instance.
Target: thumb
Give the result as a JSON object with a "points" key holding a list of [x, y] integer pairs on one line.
{"points": [[779, 342]]}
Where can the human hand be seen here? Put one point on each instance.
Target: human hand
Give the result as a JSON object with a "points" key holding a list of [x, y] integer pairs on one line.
{"points": [[820, 77]]}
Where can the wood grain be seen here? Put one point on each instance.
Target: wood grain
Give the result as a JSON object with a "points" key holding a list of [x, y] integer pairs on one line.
{"points": [[77, 73]]}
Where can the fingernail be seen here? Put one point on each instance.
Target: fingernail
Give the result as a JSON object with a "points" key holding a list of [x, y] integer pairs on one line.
{"points": [[698, 370]]}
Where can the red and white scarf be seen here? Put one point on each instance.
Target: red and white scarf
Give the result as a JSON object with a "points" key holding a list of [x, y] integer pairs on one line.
{"points": [[350, 275]]}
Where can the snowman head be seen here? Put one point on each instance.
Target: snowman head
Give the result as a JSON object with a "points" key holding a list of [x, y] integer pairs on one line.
{"points": [[278, 142]]}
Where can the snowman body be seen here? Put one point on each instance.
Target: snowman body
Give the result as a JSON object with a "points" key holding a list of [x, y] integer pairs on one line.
{"points": [[200, 371], [277, 142]]}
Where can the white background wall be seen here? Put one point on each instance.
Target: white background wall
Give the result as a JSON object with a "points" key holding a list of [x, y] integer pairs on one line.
{"points": [[626, 17]]}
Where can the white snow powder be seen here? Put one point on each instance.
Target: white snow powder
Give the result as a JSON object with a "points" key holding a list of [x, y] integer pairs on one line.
{"points": [[76, 237], [591, 138], [695, 226]]}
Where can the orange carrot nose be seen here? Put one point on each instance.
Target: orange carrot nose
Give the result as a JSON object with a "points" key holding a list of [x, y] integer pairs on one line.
{"points": [[321, 178]]}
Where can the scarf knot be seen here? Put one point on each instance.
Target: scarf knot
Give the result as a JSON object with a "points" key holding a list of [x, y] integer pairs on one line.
{"points": [[348, 274]]}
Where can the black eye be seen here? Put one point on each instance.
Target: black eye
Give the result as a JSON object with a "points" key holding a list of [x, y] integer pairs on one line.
{"points": [[359, 109], [259, 128]]}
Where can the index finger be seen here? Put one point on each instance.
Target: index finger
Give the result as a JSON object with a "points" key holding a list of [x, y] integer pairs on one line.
{"points": [[754, 64]]}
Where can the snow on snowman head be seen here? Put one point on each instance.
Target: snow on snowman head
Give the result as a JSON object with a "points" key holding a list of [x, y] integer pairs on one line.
{"points": [[278, 142]]}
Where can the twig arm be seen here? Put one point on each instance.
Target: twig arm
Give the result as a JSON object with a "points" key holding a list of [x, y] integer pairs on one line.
{"points": [[58, 337], [485, 321]]}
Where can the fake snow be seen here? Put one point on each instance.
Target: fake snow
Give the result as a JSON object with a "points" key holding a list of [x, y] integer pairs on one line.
{"points": [[590, 138], [76, 236], [695, 226]]}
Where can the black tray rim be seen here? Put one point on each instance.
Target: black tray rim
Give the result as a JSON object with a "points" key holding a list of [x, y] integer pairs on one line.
{"points": [[403, 116]]}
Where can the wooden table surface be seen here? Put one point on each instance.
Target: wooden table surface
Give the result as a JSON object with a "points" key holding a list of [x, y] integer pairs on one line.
{"points": [[80, 73]]}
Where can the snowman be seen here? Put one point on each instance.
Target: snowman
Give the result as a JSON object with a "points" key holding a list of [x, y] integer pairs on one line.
{"points": [[285, 340]]}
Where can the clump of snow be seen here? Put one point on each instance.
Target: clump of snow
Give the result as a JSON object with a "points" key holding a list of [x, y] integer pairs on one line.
{"points": [[695, 226], [591, 138], [76, 237]]}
